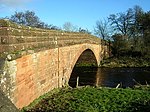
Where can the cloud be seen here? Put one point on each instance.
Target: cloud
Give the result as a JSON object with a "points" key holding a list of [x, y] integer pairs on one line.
{"points": [[13, 3]]}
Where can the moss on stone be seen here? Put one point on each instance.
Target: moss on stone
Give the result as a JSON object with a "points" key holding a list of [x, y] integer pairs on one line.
{"points": [[16, 38]]}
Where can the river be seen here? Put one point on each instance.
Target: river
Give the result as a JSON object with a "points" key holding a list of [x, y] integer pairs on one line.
{"points": [[110, 77]]}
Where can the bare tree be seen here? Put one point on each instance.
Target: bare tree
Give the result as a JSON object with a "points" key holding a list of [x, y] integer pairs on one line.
{"points": [[81, 30], [68, 26], [18, 17], [29, 18], [102, 29], [123, 22]]}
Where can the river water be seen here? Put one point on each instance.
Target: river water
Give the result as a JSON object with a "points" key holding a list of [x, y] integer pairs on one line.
{"points": [[110, 77]]}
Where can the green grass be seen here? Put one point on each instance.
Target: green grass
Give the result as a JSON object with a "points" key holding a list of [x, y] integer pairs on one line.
{"points": [[125, 62], [91, 99]]}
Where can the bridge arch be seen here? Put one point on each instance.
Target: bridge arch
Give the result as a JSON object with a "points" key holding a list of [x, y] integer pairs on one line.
{"points": [[94, 50], [82, 50], [86, 60]]}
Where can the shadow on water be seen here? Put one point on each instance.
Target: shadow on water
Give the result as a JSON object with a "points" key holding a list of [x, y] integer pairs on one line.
{"points": [[110, 77], [86, 76]]}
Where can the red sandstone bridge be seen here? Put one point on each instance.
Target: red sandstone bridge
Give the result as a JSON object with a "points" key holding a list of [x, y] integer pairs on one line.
{"points": [[34, 61]]}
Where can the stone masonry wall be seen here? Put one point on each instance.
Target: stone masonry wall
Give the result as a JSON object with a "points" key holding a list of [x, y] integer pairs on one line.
{"points": [[34, 61], [41, 72]]}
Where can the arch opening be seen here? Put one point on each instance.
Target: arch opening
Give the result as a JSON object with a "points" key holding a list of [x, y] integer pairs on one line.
{"points": [[85, 69], [87, 58]]}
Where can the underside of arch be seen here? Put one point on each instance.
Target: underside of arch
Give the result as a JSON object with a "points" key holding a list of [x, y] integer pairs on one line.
{"points": [[87, 58]]}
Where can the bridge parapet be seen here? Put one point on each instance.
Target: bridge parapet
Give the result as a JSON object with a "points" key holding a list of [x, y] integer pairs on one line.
{"points": [[21, 40]]}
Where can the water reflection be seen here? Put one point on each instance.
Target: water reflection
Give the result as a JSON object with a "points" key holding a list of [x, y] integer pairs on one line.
{"points": [[110, 77]]}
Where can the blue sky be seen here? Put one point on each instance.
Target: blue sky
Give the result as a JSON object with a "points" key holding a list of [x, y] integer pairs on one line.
{"points": [[81, 13]]}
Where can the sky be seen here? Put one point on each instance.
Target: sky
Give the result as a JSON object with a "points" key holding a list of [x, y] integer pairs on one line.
{"points": [[81, 13]]}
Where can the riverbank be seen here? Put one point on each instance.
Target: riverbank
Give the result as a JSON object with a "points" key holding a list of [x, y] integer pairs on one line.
{"points": [[93, 99], [125, 62]]}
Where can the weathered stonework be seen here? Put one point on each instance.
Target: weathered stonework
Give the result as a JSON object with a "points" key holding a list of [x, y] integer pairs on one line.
{"points": [[35, 61], [8, 77], [15, 39]]}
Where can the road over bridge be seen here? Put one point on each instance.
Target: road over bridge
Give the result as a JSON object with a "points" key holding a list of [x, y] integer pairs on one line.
{"points": [[34, 61]]}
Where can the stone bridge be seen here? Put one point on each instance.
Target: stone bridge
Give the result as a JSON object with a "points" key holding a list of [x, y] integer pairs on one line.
{"points": [[34, 61]]}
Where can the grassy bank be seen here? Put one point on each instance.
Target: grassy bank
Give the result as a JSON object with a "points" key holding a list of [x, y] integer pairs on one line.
{"points": [[91, 99], [125, 62]]}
